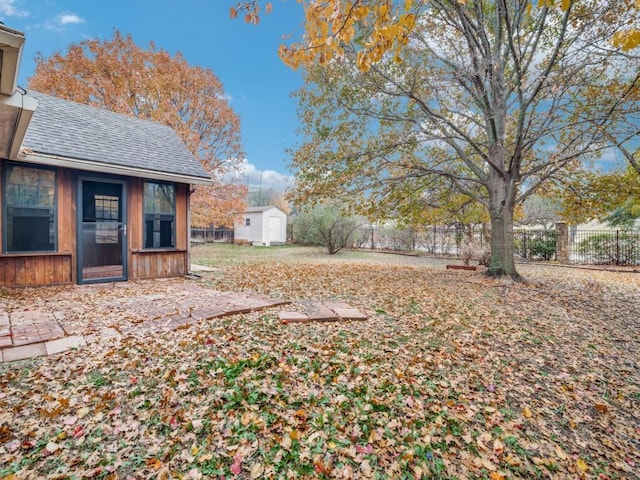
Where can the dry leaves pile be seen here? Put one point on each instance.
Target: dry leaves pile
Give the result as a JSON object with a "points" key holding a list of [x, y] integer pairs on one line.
{"points": [[453, 376]]}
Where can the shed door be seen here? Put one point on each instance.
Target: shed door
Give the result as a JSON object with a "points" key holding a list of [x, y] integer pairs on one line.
{"points": [[102, 231], [274, 229]]}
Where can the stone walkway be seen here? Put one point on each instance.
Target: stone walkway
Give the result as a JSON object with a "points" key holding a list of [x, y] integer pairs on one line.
{"points": [[49, 320]]}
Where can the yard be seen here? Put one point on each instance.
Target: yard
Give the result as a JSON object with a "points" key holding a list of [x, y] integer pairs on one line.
{"points": [[452, 376]]}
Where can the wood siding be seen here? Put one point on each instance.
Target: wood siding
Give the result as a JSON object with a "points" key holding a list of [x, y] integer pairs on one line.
{"points": [[158, 264], [61, 267], [35, 270]]}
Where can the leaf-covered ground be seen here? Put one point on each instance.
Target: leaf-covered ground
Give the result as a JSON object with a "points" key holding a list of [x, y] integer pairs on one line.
{"points": [[453, 376]]}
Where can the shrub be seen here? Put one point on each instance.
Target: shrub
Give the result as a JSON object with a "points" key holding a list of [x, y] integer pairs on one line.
{"points": [[326, 226], [535, 245], [472, 250], [543, 248]]}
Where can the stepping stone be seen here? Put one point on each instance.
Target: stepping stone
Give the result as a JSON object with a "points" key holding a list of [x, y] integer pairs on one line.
{"points": [[64, 344], [293, 317], [350, 314], [23, 352], [320, 313], [336, 304]]}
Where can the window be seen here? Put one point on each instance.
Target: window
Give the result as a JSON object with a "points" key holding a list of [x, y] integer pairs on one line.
{"points": [[107, 208], [247, 222], [29, 206], [159, 215]]}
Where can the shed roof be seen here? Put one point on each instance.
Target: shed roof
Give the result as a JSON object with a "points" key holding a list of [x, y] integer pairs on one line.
{"points": [[261, 209], [100, 140]]}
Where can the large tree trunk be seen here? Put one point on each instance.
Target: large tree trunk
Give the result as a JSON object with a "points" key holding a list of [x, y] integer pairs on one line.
{"points": [[502, 194]]}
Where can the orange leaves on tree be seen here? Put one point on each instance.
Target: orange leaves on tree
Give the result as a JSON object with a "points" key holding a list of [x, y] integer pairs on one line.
{"points": [[151, 84], [221, 204]]}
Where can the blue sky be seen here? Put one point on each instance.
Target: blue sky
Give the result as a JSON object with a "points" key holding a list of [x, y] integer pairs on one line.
{"points": [[243, 56]]}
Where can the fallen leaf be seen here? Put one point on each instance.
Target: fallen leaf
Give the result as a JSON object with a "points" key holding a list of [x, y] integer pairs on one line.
{"points": [[560, 452], [257, 470], [82, 412], [236, 466], [366, 469], [70, 420], [582, 465]]}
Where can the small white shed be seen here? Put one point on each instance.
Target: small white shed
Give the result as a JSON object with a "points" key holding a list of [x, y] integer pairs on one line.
{"points": [[262, 226]]}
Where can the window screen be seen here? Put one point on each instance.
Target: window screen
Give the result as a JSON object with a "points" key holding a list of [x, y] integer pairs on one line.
{"points": [[159, 215], [29, 209]]}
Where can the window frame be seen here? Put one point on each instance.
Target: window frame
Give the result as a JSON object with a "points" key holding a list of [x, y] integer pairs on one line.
{"points": [[144, 215], [6, 166]]}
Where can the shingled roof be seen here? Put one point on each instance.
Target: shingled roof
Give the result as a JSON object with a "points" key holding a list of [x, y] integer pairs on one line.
{"points": [[100, 140]]}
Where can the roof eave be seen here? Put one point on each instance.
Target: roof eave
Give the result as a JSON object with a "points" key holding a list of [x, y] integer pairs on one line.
{"points": [[11, 44], [79, 164], [24, 106]]}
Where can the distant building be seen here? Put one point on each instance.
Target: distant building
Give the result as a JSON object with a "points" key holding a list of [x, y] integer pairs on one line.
{"points": [[262, 226]]}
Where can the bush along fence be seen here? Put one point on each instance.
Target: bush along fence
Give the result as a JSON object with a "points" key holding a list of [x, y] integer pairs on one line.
{"points": [[563, 243]]}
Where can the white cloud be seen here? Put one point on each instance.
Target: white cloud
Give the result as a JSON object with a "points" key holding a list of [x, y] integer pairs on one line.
{"points": [[255, 178], [69, 19], [60, 22], [7, 8]]}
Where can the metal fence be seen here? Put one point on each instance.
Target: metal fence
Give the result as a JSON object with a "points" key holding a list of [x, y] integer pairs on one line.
{"points": [[614, 247], [535, 245], [211, 235], [447, 241], [610, 247]]}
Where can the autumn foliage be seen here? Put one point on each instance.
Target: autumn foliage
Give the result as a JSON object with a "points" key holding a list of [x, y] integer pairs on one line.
{"points": [[383, 26], [152, 84]]}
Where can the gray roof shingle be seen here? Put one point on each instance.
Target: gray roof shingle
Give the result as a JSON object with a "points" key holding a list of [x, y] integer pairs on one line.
{"points": [[73, 130]]}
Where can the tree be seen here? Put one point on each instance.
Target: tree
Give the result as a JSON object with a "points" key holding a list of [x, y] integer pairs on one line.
{"points": [[540, 210], [268, 196], [151, 84], [613, 197], [325, 225], [333, 22], [495, 96]]}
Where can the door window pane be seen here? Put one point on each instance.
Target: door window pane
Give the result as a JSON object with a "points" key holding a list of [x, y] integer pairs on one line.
{"points": [[159, 215], [29, 209]]}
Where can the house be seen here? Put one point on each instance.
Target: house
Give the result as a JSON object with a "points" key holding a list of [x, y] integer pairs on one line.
{"points": [[262, 226], [87, 195]]}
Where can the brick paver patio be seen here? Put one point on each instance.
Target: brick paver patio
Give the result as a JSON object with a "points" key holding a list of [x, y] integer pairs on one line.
{"points": [[51, 320]]}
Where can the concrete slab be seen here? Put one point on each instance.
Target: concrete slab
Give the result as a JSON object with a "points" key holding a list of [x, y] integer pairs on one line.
{"points": [[26, 351], [293, 317], [336, 304], [350, 314], [320, 313], [5, 341], [64, 344], [202, 268]]}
